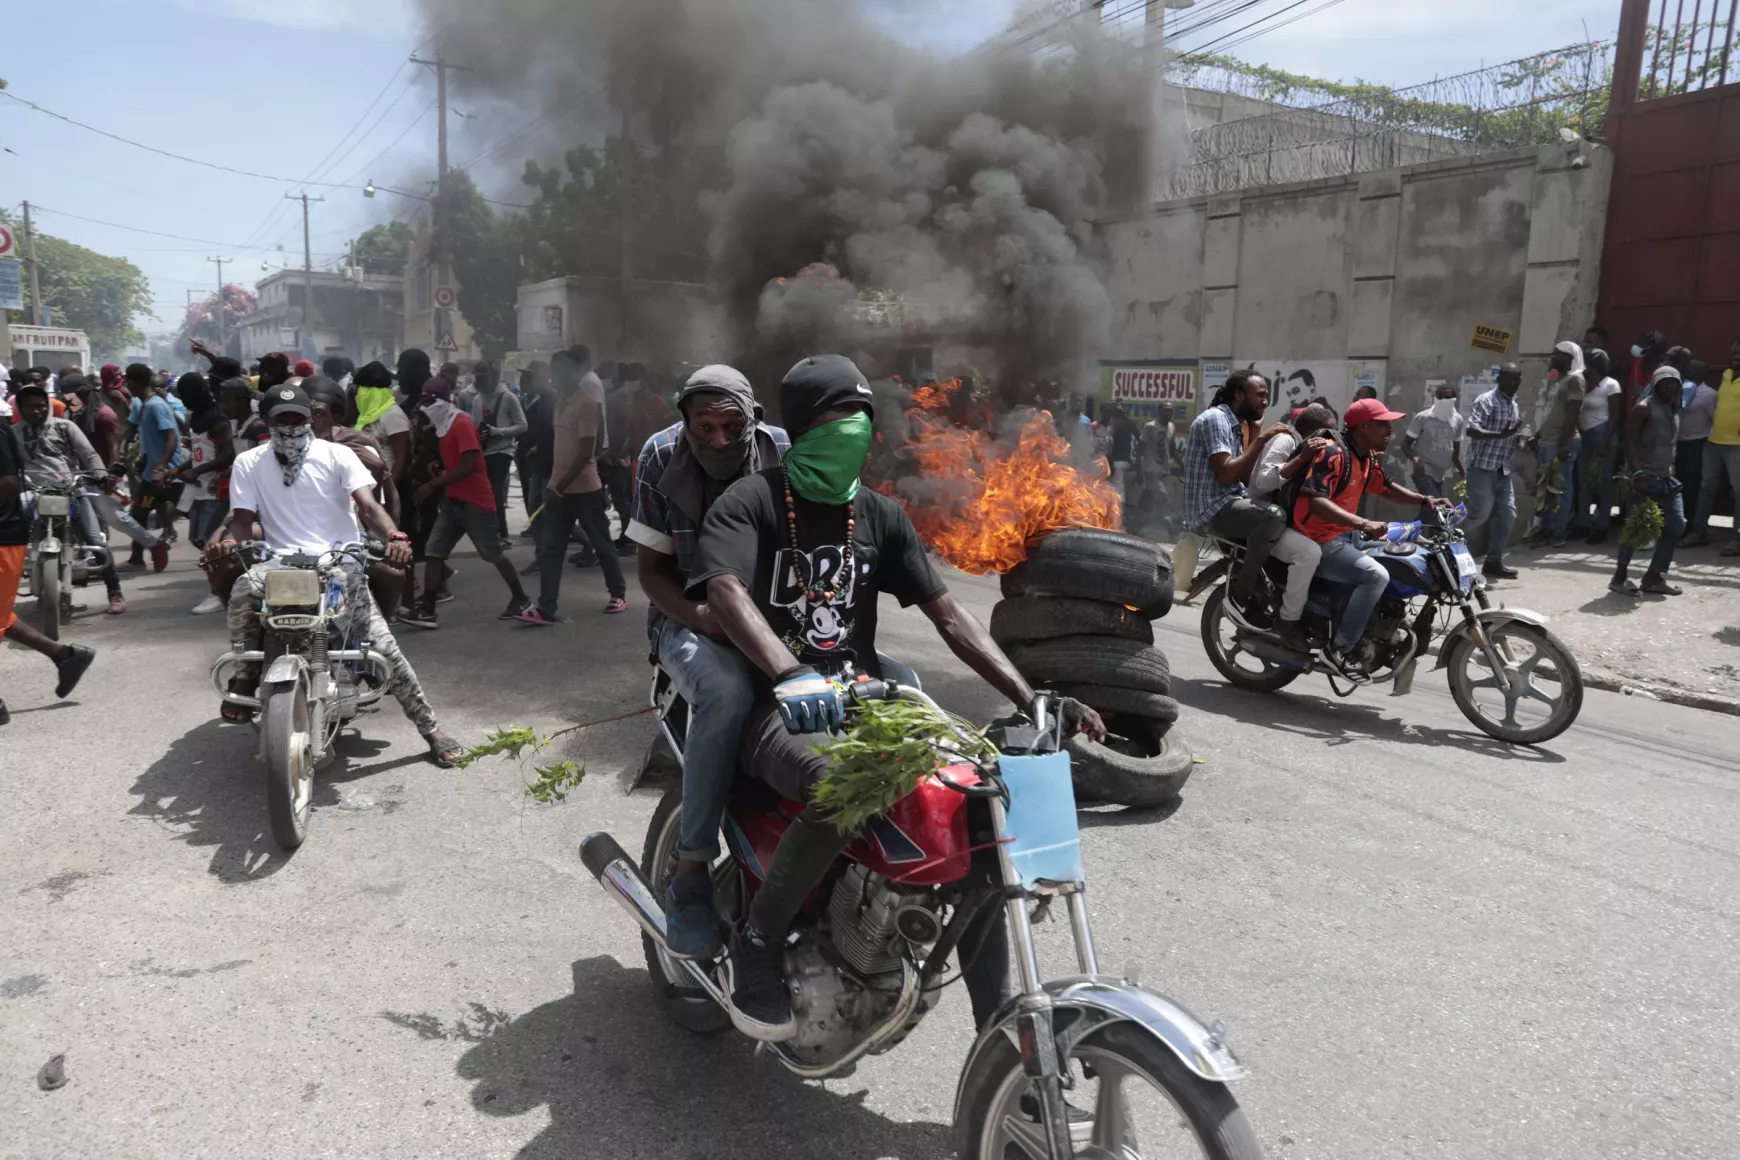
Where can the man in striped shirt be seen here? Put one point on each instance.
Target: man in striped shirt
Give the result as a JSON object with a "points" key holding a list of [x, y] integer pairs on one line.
{"points": [[1493, 433]]}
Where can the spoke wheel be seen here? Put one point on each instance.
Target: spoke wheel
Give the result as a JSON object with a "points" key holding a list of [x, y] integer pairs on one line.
{"points": [[48, 593], [1534, 697], [1129, 1099], [1241, 669]]}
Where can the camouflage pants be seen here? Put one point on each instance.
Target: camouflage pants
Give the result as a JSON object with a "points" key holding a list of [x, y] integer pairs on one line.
{"points": [[246, 634]]}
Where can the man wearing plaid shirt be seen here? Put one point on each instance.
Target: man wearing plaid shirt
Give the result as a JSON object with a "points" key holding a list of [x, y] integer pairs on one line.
{"points": [[1493, 427], [682, 470], [1217, 465]]}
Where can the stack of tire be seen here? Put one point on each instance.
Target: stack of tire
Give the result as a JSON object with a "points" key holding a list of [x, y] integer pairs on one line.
{"points": [[1077, 618]]}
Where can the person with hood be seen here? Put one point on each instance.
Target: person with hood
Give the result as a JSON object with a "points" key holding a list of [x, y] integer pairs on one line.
{"points": [[1558, 442], [339, 369], [680, 473], [790, 564], [1652, 428]]}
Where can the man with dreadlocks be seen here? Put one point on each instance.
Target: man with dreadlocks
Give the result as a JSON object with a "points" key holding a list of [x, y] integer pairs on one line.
{"points": [[300, 490]]}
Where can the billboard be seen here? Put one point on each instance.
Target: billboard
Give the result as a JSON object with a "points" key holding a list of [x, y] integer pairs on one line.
{"points": [[1300, 382], [1143, 386]]}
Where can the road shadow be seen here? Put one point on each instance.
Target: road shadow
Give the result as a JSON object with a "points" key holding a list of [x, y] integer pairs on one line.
{"points": [[1611, 603], [209, 791], [1337, 722], [620, 1080]]}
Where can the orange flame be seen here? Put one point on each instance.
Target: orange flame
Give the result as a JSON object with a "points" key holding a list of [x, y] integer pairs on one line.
{"points": [[983, 500]]}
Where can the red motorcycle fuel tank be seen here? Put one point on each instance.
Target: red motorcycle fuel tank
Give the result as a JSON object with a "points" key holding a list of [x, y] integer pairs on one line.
{"points": [[921, 842]]}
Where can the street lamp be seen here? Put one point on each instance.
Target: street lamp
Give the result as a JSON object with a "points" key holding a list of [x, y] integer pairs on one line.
{"points": [[369, 189]]}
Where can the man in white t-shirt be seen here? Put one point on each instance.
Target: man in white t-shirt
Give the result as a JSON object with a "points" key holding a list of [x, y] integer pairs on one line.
{"points": [[306, 495]]}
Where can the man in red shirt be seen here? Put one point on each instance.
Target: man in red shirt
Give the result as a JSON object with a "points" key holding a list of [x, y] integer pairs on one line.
{"points": [[1327, 512], [468, 508]]}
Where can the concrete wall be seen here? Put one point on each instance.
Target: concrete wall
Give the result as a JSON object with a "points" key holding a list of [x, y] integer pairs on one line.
{"points": [[1392, 270]]}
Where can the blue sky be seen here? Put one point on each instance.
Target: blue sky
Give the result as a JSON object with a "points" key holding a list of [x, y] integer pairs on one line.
{"points": [[273, 86]]}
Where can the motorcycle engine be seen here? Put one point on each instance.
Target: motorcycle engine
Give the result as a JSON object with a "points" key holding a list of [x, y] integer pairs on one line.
{"points": [[1388, 632], [871, 925]]}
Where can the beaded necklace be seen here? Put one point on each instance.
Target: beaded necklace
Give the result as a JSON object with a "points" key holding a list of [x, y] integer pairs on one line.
{"points": [[800, 561]]}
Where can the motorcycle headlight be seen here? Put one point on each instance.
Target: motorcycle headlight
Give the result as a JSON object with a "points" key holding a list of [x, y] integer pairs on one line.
{"points": [[52, 505], [292, 588]]}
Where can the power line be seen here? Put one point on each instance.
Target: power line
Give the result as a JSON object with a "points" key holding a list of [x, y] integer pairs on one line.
{"points": [[141, 230], [1226, 41]]}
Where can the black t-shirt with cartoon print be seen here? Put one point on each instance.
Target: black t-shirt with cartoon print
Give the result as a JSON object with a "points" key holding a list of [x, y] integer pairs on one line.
{"points": [[745, 535]]}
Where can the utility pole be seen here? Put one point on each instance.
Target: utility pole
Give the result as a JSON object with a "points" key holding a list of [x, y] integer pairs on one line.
{"points": [[223, 341], [304, 329], [1154, 65], [439, 237], [35, 315]]}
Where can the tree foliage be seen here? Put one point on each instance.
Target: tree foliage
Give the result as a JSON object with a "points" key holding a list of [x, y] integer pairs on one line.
{"points": [[201, 322], [484, 249], [88, 291], [383, 249]]}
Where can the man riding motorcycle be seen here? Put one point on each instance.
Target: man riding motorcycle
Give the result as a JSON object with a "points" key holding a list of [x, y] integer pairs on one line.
{"points": [[682, 470], [1218, 460], [791, 561], [55, 449], [300, 490], [1327, 512], [1288, 457]]}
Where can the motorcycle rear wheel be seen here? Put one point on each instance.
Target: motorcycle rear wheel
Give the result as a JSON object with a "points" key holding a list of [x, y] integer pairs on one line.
{"points": [[671, 983], [284, 729], [48, 592], [1218, 631], [994, 1124]]}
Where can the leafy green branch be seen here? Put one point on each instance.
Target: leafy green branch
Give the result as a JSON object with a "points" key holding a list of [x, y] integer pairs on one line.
{"points": [[890, 747], [551, 781]]}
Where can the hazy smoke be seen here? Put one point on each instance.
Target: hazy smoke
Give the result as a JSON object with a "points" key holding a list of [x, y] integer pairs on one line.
{"points": [[799, 133]]}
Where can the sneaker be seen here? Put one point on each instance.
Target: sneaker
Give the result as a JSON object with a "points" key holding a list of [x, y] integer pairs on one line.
{"points": [[691, 923], [507, 545], [1348, 662], [531, 569], [532, 616], [209, 605], [515, 606], [616, 604], [117, 604], [527, 533], [1496, 570], [160, 555], [71, 667], [420, 617], [627, 548], [587, 559], [760, 1003], [131, 566], [1250, 608], [445, 596]]}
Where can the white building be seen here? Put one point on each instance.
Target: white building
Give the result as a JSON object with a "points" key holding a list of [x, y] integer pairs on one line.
{"points": [[361, 318]]}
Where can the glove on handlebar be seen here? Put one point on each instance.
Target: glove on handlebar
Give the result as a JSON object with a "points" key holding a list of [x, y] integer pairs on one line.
{"points": [[808, 702]]}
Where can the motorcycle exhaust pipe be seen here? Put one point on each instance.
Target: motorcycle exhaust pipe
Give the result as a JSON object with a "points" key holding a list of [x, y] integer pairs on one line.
{"points": [[1274, 651], [621, 879]]}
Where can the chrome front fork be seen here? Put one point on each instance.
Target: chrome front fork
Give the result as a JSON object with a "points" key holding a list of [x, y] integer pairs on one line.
{"points": [[1035, 1035]]}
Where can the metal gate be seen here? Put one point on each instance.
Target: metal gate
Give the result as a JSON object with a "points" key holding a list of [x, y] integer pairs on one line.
{"points": [[1671, 261]]}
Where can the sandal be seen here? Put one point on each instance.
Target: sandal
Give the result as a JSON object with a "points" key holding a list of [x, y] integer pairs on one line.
{"points": [[1662, 589], [1733, 549], [117, 605], [238, 714], [1625, 588], [443, 750]]}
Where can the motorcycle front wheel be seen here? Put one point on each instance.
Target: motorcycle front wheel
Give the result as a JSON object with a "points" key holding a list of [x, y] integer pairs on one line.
{"points": [[48, 590], [1132, 1099], [284, 734], [1546, 686]]}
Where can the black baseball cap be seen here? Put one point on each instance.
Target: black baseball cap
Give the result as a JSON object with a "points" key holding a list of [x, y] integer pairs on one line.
{"points": [[286, 397]]}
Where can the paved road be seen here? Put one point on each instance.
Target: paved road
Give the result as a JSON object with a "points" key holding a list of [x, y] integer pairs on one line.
{"points": [[1424, 944]]}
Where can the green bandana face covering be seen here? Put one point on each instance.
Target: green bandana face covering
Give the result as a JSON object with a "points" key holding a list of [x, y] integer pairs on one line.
{"points": [[824, 462]]}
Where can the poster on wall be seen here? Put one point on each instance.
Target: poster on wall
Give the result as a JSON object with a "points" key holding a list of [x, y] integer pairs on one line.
{"points": [[1301, 382], [1143, 386]]}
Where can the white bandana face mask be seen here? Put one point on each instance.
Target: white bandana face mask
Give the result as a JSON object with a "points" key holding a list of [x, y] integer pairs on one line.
{"points": [[1443, 409], [290, 445]]}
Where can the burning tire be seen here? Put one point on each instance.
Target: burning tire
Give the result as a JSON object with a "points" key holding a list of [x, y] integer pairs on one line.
{"points": [[1095, 660], [1025, 619], [1094, 564]]}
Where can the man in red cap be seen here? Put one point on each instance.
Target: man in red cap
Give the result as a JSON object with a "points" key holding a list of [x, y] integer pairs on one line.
{"points": [[1327, 512]]}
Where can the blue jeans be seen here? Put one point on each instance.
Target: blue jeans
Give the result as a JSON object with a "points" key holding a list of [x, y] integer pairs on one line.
{"points": [[1491, 496], [1556, 520], [1670, 495], [1720, 462], [533, 491], [719, 684], [1345, 563], [1594, 449]]}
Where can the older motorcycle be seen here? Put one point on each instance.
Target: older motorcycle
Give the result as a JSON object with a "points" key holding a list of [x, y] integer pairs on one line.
{"points": [[60, 557], [1509, 674], [1087, 1065], [317, 672]]}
